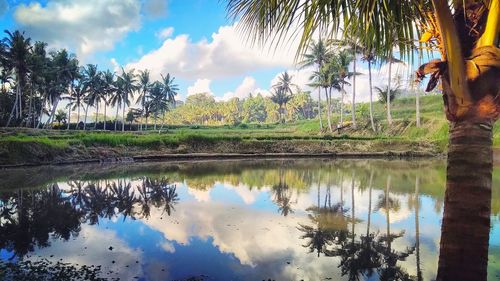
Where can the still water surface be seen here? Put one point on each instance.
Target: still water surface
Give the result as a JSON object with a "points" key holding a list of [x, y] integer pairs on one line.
{"points": [[233, 220]]}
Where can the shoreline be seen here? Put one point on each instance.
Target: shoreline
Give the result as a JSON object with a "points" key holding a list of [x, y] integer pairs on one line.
{"points": [[405, 155]]}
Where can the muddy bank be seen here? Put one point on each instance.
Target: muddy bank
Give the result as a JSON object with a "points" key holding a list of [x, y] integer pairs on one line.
{"points": [[34, 153]]}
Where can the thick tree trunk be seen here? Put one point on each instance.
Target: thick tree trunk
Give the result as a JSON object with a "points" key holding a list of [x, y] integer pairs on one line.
{"points": [[96, 115], [69, 117], [466, 220], [53, 112], [41, 112], [371, 94], [78, 116]]}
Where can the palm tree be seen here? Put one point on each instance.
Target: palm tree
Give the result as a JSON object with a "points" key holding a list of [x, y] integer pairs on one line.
{"points": [[317, 54], [321, 79], [280, 97], [108, 90], [369, 57], [339, 68], [170, 90], [117, 98], [92, 83], [283, 91], [18, 49], [382, 94], [127, 81], [60, 117], [144, 87], [76, 98]]}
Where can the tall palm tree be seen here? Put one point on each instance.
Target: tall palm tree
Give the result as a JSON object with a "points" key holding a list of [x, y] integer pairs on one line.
{"points": [[108, 90], [369, 57], [76, 98], [128, 83], [317, 55], [170, 90], [116, 99], [280, 97], [18, 49], [64, 68], [284, 91], [91, 82], [339, 68], [144, 86]]}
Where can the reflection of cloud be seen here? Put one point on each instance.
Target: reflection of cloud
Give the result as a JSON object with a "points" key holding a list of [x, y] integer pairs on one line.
{"points": [[253, 237], [91, 248], [199, 194], [168, 247], [248, 196]]}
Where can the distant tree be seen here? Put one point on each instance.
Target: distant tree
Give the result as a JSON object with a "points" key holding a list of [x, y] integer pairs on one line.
{"points": [[60, 117], [382, 94]]}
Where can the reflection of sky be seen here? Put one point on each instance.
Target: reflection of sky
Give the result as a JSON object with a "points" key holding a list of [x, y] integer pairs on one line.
{"points": [[231, 232]]}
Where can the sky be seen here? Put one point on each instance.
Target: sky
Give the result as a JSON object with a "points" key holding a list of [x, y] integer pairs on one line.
{"points": [[193, 40]]}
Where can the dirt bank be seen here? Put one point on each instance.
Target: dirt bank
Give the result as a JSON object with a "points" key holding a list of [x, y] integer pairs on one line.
{"points": [[33, 153]]}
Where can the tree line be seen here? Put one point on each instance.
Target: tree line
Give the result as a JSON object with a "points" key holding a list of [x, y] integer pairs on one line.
{"points": [[34, 81]]}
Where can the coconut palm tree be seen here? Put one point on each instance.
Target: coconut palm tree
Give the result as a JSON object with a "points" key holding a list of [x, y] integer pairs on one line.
{"points": [[108, 90], [128, 84], [117, 98], [317, 54], [170, 90], [338, 66], [16, 59], [76, 98], [280, 97], [382, 94], [91, 82], [144, 86]]}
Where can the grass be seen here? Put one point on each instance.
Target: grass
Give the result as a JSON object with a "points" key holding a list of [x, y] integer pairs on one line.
{"points": [[434, 129]]}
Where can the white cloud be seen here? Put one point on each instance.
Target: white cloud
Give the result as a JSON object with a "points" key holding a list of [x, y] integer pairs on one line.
{"points": [[247, 86], [200, 86], [165, 33], [85, 26], [155, 8], [225, 55]]}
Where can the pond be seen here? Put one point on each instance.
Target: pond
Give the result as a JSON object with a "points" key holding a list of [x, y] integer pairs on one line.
{"points": [[312, 219]]}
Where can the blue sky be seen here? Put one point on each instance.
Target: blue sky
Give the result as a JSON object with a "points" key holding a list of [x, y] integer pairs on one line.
{"points": [[191, 39]]}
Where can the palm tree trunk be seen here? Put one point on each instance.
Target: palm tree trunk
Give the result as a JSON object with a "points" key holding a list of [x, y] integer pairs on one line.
{"points": [[466, 220], [105, 105], [319, 110], [116, 117], [342, 106], [78, 116], [387, 218], [162, 121], [53, 112], [371, 94], [85, 119], [28, 122], [388, 98], [41, 111], [155, 124], [354, 91], [14, 107], [123, 118], [329, 110], [69, 117], [96, 114]]}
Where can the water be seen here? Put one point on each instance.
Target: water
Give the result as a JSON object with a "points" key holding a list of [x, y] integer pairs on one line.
{"points": [[231, 220]]}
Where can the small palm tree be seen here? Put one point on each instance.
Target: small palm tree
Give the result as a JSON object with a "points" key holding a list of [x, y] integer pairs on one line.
{"points": [[382, 94], [60, 117]]}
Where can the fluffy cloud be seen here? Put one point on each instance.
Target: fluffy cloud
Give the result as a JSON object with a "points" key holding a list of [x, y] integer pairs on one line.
{"points": [[85, 26], [200, 86], [248, 85], [165, 33], [225, 55]]}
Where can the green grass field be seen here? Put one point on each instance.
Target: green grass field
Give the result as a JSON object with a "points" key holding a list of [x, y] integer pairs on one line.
{"points": [[434, 129]]}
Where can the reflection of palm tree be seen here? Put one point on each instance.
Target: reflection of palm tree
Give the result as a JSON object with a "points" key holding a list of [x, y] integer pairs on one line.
{"points": [[29, 219], [389, 269], [417, 233], [282, 195]]}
